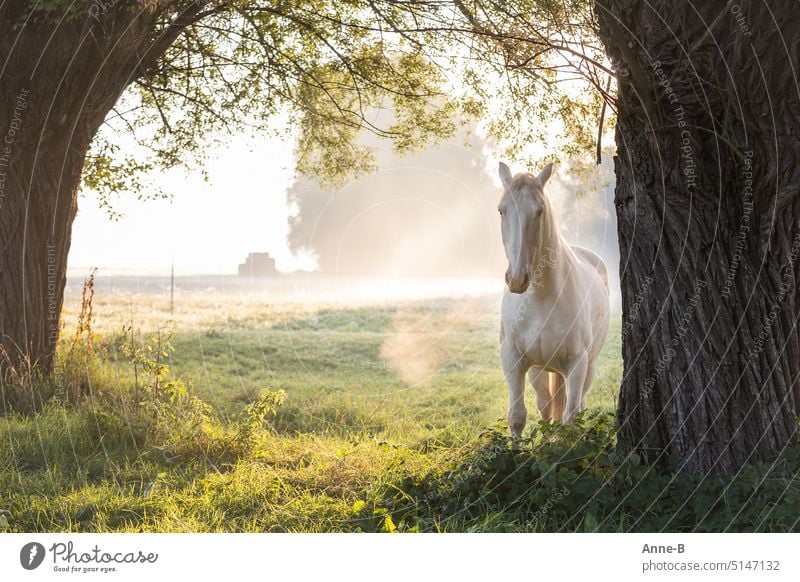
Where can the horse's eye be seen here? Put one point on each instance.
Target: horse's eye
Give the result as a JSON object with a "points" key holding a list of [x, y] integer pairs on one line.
{"points": [[502, 211]]}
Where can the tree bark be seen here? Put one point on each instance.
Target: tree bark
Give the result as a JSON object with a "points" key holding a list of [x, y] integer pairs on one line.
{"points": [[58, 82], [707, 202]]}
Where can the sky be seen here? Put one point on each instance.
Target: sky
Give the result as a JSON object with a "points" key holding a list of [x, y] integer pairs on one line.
{"points": [[208, 227]]}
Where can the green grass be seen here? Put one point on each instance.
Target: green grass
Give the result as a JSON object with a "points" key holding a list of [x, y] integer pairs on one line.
{"points": [[392, 420]]}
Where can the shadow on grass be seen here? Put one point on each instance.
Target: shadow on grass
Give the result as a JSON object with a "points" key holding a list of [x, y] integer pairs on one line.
{"points": [[579, 479]]}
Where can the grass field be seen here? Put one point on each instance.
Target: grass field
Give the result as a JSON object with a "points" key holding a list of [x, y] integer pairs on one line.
{"points": [[236, 412]]}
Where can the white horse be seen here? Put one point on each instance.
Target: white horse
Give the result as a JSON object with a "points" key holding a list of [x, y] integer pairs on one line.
{"points": [[555, 311]]}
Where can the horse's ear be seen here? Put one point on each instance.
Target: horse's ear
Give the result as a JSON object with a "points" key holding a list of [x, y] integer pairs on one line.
{"points": [[505, 175], [544, 175]]}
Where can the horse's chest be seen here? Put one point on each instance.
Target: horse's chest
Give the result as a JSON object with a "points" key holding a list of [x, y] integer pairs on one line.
{"points": [[541, 343], [537, 331]]}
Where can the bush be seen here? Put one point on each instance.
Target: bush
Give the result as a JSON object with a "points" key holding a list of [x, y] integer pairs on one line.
{"points": [[577, 478], [164, 416]]}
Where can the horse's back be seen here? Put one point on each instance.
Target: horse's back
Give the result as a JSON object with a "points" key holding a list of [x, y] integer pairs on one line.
{"points": [[592, 258], [601, 310]]}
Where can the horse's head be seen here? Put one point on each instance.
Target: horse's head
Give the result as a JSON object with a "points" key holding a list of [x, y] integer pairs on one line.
{"points": [[521, 210]]}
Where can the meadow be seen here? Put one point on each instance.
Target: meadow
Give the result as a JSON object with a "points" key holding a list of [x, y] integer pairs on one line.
{"points": [[254, 410]]}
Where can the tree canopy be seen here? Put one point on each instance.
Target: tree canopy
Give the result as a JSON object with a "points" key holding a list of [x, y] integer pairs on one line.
{"points": [[215, 68]]}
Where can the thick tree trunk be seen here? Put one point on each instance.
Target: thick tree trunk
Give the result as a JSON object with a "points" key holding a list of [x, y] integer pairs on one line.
{"points": [[38, 206], [708, 177], [59, 81]]}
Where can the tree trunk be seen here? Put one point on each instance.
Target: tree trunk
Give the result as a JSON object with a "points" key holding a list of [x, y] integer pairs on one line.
{"points": [[707, 201], [59, 82]]}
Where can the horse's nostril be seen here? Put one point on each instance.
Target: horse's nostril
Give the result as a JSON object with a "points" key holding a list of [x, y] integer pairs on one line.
{"points": [[517, 283]]}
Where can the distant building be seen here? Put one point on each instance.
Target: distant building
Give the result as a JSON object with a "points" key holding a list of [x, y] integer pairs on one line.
{"points": [[258, 265]]}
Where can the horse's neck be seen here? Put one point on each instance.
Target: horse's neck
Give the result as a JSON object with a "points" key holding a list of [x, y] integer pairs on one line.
{"points": [[552, 260]]}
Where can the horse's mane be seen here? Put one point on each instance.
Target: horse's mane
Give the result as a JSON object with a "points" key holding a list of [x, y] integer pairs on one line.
{"points": [[549, 232]]}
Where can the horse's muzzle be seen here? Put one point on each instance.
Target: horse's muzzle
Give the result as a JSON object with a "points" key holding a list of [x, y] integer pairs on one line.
{"points": [[518, 284]]}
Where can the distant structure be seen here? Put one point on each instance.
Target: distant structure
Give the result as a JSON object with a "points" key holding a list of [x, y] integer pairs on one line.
{"points": [[258, 265]]}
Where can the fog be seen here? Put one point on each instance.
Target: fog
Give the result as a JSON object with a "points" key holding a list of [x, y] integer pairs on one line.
{"points": [[434, 214], [422, 225]]}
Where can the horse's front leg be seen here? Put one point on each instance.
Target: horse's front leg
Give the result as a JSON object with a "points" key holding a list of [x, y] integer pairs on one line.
{"points": [[514, 368], [576, 380]]}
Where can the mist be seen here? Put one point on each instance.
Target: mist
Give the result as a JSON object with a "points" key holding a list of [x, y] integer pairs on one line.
{"points": [[434, 214]]}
